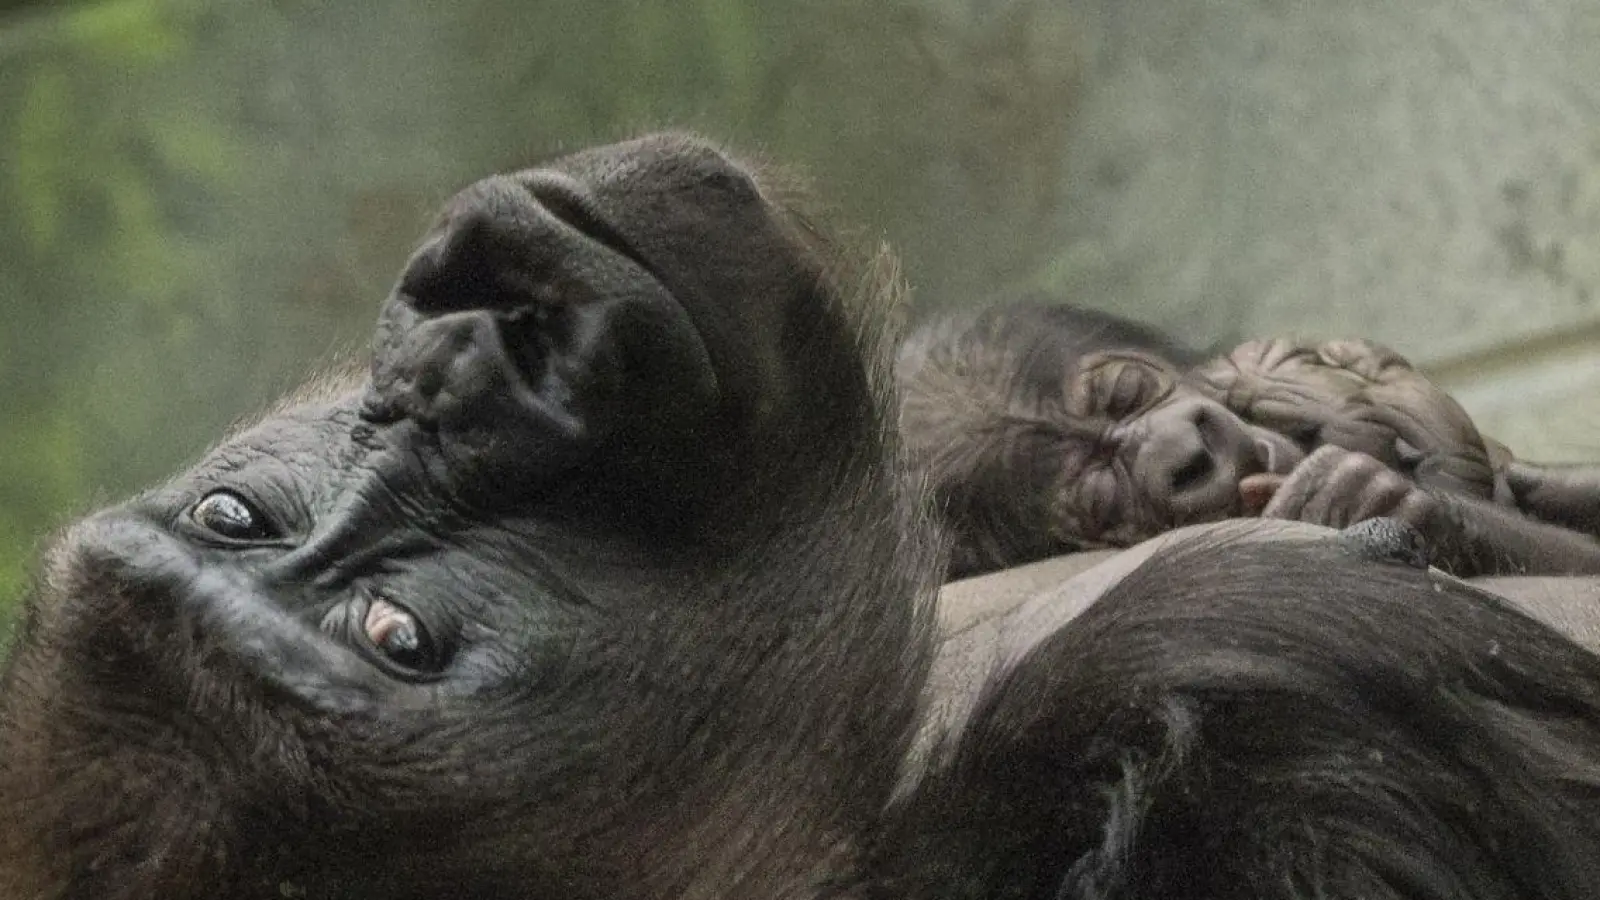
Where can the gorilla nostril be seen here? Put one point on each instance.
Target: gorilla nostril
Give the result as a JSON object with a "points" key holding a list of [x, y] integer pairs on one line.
{"points": [[532, 335], [478, 257], [1193, 473]]}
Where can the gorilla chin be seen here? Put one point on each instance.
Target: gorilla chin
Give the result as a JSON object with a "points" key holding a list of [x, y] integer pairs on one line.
{"points": [[609, 579]]}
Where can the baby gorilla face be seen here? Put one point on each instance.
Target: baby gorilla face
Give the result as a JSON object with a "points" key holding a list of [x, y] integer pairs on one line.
{"points": [[1141, 452]]}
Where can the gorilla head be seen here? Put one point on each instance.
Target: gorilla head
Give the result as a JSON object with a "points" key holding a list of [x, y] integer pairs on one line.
{"points": [[1045, 429], [418, 631]]}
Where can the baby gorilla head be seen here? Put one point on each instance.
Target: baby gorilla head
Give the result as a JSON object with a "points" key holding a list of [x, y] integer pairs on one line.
{"points": [[1046, 429], [517, 614], [1144, 439]]}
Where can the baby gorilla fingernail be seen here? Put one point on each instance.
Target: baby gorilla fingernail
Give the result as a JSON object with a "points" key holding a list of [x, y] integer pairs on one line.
{"points": [[1256, 491]]}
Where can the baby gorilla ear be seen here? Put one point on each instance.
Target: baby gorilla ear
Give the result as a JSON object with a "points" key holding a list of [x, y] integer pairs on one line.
{"points": [[527, 337]]}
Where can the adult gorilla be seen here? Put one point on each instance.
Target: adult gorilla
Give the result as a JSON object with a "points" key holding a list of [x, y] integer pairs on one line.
{"points": [[604, 583]]}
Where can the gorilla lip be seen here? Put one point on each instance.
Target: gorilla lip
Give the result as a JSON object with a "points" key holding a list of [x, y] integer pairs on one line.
{"points": [[1277, 457]]}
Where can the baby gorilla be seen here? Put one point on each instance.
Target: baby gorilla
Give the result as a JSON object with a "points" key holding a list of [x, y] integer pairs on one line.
{"points": [[606, 583], [1048, 429]]}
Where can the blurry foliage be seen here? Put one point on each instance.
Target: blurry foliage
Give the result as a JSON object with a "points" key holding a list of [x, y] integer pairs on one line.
{"points": [[202, 200], [92, 251]]}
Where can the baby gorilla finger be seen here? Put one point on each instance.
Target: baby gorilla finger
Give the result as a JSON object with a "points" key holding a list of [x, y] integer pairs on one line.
{"points": [[1337, 488]]}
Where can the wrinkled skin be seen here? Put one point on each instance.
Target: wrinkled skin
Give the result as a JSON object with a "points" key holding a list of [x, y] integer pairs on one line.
{"points": [[606, 582], [1041, 432], [1044, 432], [1363, 397], [1360, 396]]}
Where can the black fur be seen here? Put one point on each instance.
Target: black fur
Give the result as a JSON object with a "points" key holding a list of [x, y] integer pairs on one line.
{"points": [[1273, 721]]}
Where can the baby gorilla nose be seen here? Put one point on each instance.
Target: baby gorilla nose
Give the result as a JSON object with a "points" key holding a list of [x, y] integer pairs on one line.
{"points": [[1194, 472], [1192, 456]]}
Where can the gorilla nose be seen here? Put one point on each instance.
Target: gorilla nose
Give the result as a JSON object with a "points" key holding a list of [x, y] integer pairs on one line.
{"points": [[467, 332], [526, 331], [481, 255], [1193, 472], [1191, 459]]}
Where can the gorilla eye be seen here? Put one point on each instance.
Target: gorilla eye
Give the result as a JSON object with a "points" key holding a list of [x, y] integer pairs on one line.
{"points": [[1124, 388], [226, 514], [397, 634]]}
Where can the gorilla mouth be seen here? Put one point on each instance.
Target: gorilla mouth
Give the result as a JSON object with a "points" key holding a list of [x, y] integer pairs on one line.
{"points": [[1276, 454]]}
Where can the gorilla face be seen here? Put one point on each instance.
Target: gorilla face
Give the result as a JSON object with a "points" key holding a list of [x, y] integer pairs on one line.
{"points": [[1143, 452], [1044, 430], [555, 601]]}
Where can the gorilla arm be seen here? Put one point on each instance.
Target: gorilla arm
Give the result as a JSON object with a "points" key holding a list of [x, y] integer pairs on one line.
{"points": [[980, 607], [1278, 712], [1465, 535], [988, 622], [1566, 495]]}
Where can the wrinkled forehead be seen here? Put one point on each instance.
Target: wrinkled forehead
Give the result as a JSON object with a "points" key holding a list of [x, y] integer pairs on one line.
{"points": [[308, 439]]}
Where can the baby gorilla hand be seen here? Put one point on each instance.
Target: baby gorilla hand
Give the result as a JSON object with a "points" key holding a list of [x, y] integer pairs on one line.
{"points": [[1338, 488]]}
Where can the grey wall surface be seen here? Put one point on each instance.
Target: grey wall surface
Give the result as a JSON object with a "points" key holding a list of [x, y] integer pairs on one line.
{"points": [[1424, 173]]}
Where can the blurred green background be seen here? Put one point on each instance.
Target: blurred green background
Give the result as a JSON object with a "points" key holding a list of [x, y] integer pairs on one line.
{"points": [[202, 201]]}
